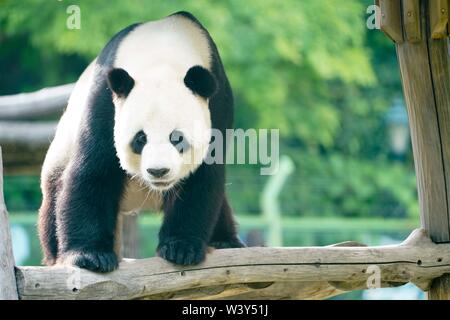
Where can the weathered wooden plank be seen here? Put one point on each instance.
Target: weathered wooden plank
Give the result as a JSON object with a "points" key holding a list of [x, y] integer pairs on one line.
{"points": [[31, 135], [42, 103], [291, 290], [438, 51], [8, 287], [424, 68], [411, 20], [391, 19], [25, 144], [440, 72], [448, 24], [130, 236], [440, 289], [417, 259], [425, 136], [439, 18]]}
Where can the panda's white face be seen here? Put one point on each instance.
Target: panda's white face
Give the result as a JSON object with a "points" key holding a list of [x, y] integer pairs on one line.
{"points": [[162, 129]]}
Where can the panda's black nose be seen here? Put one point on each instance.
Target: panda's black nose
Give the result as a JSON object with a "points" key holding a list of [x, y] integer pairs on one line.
{"points": [[158, 173]]}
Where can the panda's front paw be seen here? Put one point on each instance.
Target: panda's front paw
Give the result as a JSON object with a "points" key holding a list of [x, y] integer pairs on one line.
{"points": [[98, 261], [183, 251]]}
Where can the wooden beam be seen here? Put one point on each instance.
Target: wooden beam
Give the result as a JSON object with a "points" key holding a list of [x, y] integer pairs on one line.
{"points": [[130, 236], [317, 272], [43, 103], [391, 19], [439, 18], [411, 20], [438, 48], [8, 287], [32, 135], [427, 133], [25, 144], [425, 75]]}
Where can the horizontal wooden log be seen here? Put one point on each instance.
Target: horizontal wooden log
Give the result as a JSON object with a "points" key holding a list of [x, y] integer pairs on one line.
{"points": [[319, 272], [33, 135], [33, 105], [25, 145]]}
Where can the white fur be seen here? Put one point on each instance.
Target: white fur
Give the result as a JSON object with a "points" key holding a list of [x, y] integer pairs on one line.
{"points": [[63, 144], [162, 51], [157, 55]]}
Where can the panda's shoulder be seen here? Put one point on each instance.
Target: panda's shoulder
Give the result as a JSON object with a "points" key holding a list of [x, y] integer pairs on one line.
{"points": [[108, 54]]}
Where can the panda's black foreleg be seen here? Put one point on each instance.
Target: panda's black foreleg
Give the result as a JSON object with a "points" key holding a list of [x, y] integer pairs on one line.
{"points": [[225, 233], [47, 217], [87, 216], [190, 216], [88, 204]]}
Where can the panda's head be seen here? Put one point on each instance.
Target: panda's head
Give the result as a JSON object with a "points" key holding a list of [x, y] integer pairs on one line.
{"points": [[162, 122]]}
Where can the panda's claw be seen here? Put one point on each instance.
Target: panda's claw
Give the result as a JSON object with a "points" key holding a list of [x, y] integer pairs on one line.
{"points": [[183, 251], [97, 261]]}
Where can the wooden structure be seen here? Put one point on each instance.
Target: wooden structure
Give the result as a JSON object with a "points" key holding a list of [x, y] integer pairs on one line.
{"points": [[8, 288], [24, 134], [420, 31], [281, 273]]}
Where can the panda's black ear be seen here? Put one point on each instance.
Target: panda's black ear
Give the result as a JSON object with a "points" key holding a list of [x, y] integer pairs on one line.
{"points": [[200, 81], [120, 82]]}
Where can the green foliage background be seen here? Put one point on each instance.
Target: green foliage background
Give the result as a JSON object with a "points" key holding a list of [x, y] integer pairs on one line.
{"points": [[310, 68]]}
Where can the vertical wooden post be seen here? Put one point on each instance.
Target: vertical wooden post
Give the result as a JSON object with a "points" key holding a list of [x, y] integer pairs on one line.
{"points": [[130, 237], [424, 65], [8, 287]]}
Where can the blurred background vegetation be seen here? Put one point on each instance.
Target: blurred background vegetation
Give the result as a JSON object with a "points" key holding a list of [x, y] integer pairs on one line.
{"points": [[310, 68]]}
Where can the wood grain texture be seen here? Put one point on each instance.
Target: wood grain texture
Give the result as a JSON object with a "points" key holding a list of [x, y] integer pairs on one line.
{"points": [[27, 134], [440, 289], [25, 144], [440, 75], [439, 18], [130, 237], [38, 104], [411, 20], [428, 125], [438, 53], [391, 19], [317, 271], [424, 67], [8, 288]]}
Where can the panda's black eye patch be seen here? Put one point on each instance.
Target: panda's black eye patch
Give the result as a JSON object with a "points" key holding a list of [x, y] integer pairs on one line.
{"points": [[139, 141], [179, 141]]}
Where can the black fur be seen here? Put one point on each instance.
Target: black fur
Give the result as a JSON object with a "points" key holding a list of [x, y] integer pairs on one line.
{"points": [[200, 214], [139, 142], [88, 204], [84, 208], [120, 82], [200, 81], [47, 216], [178, 140], [81, 216]]}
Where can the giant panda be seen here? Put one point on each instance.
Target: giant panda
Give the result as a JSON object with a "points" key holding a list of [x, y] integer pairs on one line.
{"points": [[137, 117]]}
